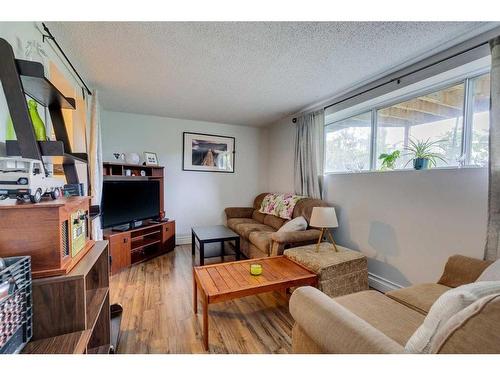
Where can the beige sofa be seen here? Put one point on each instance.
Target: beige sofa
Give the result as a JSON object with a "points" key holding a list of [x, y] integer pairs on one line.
{"points": [[371, 322], [259, 236]]}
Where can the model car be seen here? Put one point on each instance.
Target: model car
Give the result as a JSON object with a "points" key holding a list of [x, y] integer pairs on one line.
{"points": [[27, 180]]}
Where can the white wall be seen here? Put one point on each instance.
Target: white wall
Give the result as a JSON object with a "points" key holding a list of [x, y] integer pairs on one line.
{"points": [[407, 222], [191, 198]]}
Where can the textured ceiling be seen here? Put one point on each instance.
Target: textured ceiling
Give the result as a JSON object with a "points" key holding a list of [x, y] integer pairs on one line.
{"points": [[241, 73]]}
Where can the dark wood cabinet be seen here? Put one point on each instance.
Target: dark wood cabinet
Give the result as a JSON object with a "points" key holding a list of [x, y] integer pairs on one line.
{"points": [[119, 245], [150, 240], [168, 235], [140, 244]]}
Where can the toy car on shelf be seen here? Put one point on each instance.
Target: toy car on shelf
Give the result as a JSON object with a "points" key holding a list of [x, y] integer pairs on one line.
{"points": [[27, 180]]}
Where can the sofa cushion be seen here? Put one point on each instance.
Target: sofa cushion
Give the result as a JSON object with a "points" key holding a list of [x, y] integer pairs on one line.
{"points": [[274, 221], [254, 252], [474, 330], [232, 223], [449, 304], [244, 229], [261, 240], [492, 273], [258, 216], [388, 316], [294, 225], [461, 270], [419, 297]]}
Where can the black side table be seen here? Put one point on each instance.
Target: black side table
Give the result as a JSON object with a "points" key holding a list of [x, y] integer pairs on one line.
{"points": [[213, 234]]}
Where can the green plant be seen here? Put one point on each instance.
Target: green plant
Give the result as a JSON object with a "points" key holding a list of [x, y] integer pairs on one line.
{"points": [[389, 160], [417, 149]]}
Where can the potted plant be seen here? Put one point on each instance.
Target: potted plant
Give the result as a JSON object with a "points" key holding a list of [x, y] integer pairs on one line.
{"points": [[423, 153], [389, 160]]}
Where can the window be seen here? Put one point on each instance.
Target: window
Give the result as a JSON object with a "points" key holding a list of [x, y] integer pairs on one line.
{"points": [[436, 116], [36, 168], [13, 165], [455, 116], [347, 144], [480, 87]]}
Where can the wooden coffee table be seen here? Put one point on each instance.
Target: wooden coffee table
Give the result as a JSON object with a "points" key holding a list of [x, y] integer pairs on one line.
{"points": [[226, 281]]}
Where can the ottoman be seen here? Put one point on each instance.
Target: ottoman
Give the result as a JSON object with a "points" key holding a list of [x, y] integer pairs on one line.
{"points": [[339, 273]]}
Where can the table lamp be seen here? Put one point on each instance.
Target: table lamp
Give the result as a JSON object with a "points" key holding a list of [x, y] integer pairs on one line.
{"points": [[324, 218]]}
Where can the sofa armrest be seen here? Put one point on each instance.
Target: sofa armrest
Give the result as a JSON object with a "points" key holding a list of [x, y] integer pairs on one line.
{"points": [[461, 270], [335, 329], [296, 236], [239, 212]]}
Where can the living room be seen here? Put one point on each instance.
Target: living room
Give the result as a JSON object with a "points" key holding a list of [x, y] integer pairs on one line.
{"points": [[263, 187]]}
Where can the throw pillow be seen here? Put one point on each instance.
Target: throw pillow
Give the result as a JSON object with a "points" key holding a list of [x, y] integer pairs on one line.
{"points": [[492, 273], [444, 308], [281, 205], [297, 224], [457, 321]]}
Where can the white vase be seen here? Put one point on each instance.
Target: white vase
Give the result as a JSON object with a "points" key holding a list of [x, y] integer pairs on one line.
{"points": [[132, 158]]}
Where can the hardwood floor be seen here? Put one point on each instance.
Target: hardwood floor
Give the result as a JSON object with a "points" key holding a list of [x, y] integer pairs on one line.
{"points": [[158, 314]]}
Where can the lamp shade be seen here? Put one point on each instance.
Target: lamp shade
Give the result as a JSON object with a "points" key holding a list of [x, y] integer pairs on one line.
{"points": [[323, 217]]}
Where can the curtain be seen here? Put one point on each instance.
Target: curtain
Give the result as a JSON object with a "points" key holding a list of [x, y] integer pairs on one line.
{"points": [[94, 150], [492, 250], [308, 172]]}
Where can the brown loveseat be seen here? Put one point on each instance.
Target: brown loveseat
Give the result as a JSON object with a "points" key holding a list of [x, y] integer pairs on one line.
{"points": [[371, 322], [258, 231]]}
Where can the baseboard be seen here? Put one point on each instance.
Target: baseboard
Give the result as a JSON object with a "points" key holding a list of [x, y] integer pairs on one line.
{"points": [[381, 284], [183, 240]]}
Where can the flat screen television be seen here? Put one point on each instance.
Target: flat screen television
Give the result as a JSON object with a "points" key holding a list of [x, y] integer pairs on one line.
{"points": [[128, 202]]}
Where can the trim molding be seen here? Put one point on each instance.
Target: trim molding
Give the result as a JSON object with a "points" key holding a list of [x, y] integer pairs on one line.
{"points": [[381, 284]]}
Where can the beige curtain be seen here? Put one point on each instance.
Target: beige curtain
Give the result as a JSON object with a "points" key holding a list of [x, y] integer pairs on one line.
{"points": [[492, 250], [95, 160], [309, 154]]}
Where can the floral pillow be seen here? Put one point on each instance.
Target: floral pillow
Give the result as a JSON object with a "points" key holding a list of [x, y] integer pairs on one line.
{"points": [[280, 205]]}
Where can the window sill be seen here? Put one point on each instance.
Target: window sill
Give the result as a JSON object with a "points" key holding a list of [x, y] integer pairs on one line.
{"points": [[406, 170]]}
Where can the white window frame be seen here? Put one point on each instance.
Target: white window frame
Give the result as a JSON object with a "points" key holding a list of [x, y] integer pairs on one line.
{"points": [[464, 78]]}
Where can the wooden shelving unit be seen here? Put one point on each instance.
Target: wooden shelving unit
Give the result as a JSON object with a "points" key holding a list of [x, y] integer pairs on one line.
{"points": [[40, 88], [70, 343], [52, 152], [116, 171], [140, 244], [20, 78], [71, 313]]}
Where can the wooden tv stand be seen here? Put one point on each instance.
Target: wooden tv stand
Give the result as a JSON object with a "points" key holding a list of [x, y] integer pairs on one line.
{"points": [[139, 244]]}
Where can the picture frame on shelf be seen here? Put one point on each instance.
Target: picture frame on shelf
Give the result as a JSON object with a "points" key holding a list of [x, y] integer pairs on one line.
{"points": [[150, 158], [208, 153]]}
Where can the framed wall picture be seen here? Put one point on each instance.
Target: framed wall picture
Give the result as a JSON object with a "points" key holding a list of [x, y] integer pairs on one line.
{"points": [[208, 153], [150, 158]]}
